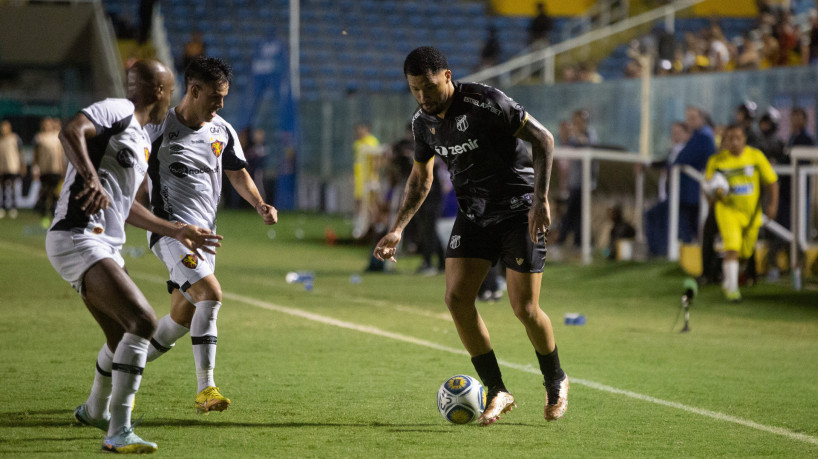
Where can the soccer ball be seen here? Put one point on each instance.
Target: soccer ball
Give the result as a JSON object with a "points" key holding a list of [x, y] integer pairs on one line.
{"points": [[717, 186], [461, 399]]}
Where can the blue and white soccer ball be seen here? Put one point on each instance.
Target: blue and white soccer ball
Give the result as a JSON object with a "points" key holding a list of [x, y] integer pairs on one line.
{"points": [[461, 399]]}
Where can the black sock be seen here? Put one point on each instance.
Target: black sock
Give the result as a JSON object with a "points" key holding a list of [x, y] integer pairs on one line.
{"points": [[489, 372], [550, 366]]}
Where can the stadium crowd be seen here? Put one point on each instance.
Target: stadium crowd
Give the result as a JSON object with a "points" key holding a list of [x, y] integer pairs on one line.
{"points": [[778, 38]]}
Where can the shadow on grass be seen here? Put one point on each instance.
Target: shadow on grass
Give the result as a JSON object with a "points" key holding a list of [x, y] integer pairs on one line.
{"points": [[65, 418]]}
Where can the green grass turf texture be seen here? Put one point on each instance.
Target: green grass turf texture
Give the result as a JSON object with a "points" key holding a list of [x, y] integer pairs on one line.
{"points": [[303, 388]]}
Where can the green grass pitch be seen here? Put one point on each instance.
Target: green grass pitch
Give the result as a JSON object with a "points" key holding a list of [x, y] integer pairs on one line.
{"points": [[352, 369]]}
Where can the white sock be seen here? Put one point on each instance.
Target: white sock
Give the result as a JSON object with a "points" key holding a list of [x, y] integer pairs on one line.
{"points": [[203, 335], [129, 362], [730, 268], [167, 333], [97, 403]]}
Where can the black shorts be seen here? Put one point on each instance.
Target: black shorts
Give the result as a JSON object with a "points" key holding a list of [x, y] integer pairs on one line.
{"points": [[507, 240]]}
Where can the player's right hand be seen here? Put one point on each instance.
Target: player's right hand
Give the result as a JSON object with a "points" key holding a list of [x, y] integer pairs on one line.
{"points": [[92, 198], [387, 246], [196, 238]]}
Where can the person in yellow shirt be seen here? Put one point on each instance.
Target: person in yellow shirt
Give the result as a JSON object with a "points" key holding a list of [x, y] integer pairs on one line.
{"points": [[367, 179], [737, 177]]}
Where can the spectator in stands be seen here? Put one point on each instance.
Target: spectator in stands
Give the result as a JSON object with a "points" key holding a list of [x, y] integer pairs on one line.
{"points": [[145, 19], [679, 135], [745, 117], [770, 52], [788, 41], [587, 72], [540, 28], [12, 168], [194, 48], [698, 148], [633, 69], [770, 143], [582, 135], [490, 54], [49, 165], [718, 55], [749, 57], [569, 73], [798, 136], [813, 37]]}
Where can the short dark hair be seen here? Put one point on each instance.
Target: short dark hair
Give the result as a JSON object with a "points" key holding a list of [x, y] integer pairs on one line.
{"points": [[799, 111], [424, 60], [208, 70], [737, 127]]}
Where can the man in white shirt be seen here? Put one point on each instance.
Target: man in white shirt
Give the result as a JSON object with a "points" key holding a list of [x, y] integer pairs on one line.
{"points": [[190, 148]]}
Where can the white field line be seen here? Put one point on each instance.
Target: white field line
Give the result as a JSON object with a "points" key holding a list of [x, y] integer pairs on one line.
{"points": [[524, 368]]}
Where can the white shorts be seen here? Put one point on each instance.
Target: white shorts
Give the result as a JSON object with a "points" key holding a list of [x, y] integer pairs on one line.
{"points": [[73, 254], [184, 267]]}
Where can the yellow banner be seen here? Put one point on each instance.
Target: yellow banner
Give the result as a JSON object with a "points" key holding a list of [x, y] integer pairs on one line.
{"points": [[552, 7], [732, 8]]}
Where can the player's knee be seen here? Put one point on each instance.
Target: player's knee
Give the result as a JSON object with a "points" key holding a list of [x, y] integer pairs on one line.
{"points": [[456, 299], [144, 323], [527, 313]]}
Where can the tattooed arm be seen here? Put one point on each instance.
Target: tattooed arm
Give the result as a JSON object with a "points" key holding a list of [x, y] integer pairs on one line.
{"points": [[417, 187], [542, 151]]}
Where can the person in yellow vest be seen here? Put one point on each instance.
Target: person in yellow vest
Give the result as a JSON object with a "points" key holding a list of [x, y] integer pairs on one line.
{"points": [[737, 176], [367, 178], [12, 167]]}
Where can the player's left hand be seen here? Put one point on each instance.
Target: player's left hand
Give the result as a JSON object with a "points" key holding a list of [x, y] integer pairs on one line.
{"points": [[196, 238], [539, 218], [268, 213]]}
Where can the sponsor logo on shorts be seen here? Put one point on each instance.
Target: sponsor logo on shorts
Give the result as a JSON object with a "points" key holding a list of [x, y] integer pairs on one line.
{"points": [[216, 147], [190, 261], [519, 261], [126, 158], [462, 123], [454, 242]]}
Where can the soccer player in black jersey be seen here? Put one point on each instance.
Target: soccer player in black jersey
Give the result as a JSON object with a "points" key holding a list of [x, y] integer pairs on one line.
{"points": [[503, 211]]}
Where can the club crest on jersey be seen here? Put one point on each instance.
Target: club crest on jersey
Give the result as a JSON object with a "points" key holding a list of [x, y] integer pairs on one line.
{"points": [[433, 130], [147, 154], [125, 158], [216, 147], [190, 261], [462, 123], [454, 242]]}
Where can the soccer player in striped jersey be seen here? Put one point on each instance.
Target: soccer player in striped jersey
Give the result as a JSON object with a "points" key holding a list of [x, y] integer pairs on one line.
{"points": [[190, 149], [108, 147], [503, 211]]}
